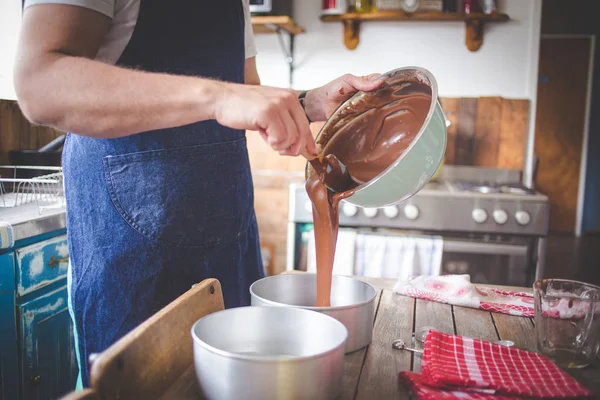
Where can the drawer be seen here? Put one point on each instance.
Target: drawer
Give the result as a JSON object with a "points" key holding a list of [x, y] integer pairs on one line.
{"points": [[41, 264]]}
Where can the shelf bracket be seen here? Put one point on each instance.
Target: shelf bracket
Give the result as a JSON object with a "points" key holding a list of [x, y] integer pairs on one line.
{"points": [[288, 51], [473, 34], [351, 33]]}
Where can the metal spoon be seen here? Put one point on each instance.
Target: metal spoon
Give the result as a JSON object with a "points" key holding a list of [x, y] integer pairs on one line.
{"points": [[399, 344]]}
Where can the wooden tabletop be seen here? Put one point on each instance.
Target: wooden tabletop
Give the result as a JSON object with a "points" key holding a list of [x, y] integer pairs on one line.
{"points": [[372, 373]]}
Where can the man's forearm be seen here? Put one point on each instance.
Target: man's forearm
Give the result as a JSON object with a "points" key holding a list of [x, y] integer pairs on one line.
{"points": [[80, 95]]}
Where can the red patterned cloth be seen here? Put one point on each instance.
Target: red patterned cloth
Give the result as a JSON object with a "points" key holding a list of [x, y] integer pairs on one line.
{"points": [[459, 291], [454, 367], [418, 385]]}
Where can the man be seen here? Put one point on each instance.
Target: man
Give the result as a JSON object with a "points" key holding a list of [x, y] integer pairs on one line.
{"points": [[158, 184]]}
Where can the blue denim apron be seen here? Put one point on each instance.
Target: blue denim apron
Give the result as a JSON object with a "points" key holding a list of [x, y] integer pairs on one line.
{"points": [[151, 214]]}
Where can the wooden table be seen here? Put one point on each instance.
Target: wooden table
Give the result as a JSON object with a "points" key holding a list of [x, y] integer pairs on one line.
{"points": [[372, 373]]}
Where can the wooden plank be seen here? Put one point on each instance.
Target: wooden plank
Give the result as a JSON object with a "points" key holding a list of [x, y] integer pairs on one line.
{"points": [[431, 314], [450, 107], [16, 133], [487, 131], [148, 360], [184, 388], [474, 323], [379, 378], [518, 329], [514, 125], [467, 115], [353, 364]]}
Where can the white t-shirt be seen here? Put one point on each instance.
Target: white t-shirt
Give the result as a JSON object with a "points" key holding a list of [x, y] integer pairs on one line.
{"points": [[124, 14]]}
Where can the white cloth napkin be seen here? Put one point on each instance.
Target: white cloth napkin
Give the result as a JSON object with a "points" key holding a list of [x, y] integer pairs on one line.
{"points": [[398, 256]]}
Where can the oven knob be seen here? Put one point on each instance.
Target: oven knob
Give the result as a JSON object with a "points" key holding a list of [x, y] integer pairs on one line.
{"points": [[411, 212], [500, 216], [349, 210], [308, 206], [391, 211], [479, 215], [523, 217], [370, 212]]}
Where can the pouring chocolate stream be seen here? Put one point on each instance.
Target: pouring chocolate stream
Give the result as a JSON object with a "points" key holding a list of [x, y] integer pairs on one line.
{"points": [[359, 142]]}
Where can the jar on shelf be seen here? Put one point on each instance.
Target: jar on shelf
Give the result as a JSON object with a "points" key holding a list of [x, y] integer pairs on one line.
{"points": [[451, 6], [410, 6], [388, 5], [363, 6], [489, 6]]}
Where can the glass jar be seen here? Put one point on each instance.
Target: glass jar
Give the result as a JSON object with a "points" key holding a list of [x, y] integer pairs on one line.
{"points": [[363, 6]]}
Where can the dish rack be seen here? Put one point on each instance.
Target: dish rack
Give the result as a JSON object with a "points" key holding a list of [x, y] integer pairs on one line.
{"points": [[45, 188]]}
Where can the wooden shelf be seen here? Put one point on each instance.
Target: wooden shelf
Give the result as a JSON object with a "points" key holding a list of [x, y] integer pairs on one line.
{"points": [[473, 22], [281, 25], [275, 24]]}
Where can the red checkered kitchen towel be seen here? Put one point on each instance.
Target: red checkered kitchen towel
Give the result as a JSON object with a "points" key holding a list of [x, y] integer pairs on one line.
{"points": [[456, 367]]}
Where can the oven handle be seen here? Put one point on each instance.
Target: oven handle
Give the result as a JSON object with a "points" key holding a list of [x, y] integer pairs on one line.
{"points": [[459, 246]]}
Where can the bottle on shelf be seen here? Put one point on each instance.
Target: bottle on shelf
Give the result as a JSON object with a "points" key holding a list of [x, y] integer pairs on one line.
{"points": [[471, 6], [333, 7]]}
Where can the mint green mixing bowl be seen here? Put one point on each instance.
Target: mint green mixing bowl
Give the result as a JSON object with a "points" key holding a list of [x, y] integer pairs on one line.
{"points": [[416, 166]]}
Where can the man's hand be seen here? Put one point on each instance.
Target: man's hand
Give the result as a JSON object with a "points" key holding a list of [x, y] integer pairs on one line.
{"points": [[275, 113], [321, 102]]}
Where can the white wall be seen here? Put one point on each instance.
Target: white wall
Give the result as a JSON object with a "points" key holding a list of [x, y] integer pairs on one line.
{"points": [[504, 66], [10, 21]]}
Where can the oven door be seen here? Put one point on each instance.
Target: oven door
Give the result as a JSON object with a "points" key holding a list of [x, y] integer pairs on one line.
{"points": [[489, 262]]}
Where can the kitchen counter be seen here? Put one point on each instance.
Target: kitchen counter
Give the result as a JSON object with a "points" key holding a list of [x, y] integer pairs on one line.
{"points": [[26, 220], [372, 373]]}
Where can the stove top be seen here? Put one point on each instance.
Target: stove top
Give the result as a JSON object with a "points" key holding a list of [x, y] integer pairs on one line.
{"points": [[494, 188], [453, 204]]}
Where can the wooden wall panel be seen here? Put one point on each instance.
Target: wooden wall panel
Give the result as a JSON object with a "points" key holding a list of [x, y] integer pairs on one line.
{"points": [[450, 107], [16, 133], [487, 131], [465, 131], [513, 134]]}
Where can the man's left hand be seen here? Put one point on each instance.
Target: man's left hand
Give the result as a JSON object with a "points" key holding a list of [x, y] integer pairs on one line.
{"points": [[321, 102]]}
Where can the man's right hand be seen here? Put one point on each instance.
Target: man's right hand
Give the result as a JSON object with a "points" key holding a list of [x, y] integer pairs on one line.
{"points": [[275, 113]]}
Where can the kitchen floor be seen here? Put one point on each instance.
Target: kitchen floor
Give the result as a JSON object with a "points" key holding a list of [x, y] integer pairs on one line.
{"points": [[569, 257]]}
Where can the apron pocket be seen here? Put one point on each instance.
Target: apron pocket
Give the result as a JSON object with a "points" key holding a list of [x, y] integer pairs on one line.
{"points": [[190, 197]]}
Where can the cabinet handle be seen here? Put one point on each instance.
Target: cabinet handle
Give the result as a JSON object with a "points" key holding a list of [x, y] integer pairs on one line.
{"points": [[35, 379], [55, 261]]}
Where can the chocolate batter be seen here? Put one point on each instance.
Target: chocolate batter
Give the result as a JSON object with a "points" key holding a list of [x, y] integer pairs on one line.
{"points": [[358, 143]]}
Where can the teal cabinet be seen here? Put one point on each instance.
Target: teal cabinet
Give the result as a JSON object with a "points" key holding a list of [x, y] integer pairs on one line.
{"points": [[37, 353], [48, 363]]}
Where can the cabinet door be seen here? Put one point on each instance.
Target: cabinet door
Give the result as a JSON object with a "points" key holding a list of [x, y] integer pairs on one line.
{"points": [[49, 366], [9, 366]]}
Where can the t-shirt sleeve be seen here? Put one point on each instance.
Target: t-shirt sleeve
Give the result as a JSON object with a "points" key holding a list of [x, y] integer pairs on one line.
{"points": [[250, 44], [106, 7]]}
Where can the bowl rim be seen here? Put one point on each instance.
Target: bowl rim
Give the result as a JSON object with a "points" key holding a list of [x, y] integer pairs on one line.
{"points": [[268, 359], [432, 107], [315, 308]]}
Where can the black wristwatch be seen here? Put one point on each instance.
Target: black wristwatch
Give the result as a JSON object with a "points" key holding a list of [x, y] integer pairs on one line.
{"points": [[301, 98]]}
